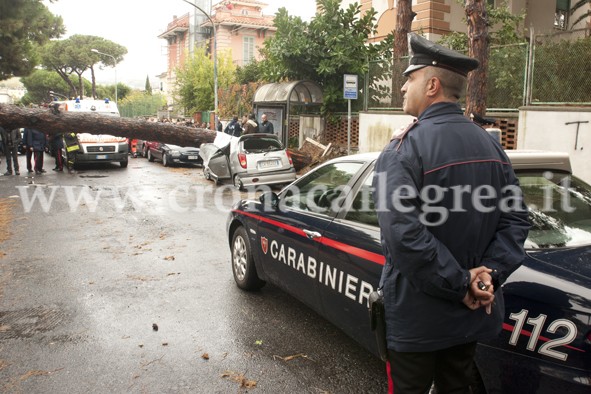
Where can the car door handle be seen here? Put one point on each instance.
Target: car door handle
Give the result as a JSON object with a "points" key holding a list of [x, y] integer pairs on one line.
{"points": [[312, 234]]}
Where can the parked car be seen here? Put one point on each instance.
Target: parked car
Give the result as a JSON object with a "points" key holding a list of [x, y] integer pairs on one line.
{"points": [[251, 159], [143, 147], [314, 240], [170, 154]]}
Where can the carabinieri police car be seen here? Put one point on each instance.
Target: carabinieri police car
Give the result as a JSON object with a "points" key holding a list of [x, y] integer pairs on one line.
{"points": [[319, 240]]}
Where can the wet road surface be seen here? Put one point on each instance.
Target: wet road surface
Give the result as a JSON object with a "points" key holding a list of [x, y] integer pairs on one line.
{"points": [[119, 281]]}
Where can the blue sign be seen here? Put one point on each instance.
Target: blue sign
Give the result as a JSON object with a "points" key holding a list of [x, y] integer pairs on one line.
{"points": [[350, 87]]}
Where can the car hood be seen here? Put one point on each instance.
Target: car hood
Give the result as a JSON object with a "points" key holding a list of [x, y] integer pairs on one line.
{"points": [[575, 260], [99, 138]]}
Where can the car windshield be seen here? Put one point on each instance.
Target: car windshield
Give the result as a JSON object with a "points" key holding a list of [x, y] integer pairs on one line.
{"points": [[559, 209], [260, 145]]}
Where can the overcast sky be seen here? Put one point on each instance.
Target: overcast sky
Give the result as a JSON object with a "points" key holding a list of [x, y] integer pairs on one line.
{"points": [[136, 24]]}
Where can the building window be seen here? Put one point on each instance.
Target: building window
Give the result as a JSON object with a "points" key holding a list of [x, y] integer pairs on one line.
{"points": [[244, 12], [247, 50], [561, 15]]}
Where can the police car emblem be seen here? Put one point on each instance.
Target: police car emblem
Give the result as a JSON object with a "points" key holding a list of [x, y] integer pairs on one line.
{"points": [[265, 244]]}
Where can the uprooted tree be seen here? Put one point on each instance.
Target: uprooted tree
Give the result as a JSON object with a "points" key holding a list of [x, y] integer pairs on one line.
{"points": [[52, 121]]}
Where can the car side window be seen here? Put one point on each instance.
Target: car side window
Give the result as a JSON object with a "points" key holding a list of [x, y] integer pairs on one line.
{"points": [[320, 191], [363, 208]]}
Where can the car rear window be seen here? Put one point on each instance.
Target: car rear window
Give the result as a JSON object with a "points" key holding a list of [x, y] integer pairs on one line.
{"points": [[263, 144], [559, 209]]}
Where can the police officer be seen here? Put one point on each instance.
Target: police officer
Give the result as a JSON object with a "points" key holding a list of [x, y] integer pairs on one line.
{"points": [[57, 143], [449, 239]]}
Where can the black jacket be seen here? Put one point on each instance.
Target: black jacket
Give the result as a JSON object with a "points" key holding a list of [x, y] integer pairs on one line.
{"points": [[12, 138], [431, 240], [34, 138], [233, 128]]}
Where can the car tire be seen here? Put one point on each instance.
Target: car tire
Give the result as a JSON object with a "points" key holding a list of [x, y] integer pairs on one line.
{"points": [[165, 161], [124, 163], [207, 173], [243, 267], [238, 183], [150, 156]]}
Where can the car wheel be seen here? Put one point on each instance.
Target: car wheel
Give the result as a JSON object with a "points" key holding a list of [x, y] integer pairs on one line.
{"points": [[150, 156], [207, 173], [243, 268], [238, 183], [165, 161], [124, 163]]}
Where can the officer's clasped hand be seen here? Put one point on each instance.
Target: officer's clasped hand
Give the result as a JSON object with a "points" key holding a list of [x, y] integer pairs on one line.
{"points": [[481, 291]]}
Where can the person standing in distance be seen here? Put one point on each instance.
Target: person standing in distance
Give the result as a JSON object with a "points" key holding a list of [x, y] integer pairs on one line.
{"points": [[233, 127], [36, 142], [447, 252], [11, 140], [266, 126], [251, 126]]}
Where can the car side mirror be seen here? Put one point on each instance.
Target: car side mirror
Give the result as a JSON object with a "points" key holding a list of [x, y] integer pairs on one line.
{"points": [[270, 201]]}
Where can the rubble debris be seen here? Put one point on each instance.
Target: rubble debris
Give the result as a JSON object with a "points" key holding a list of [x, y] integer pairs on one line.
{"points": [[313, 153], [289, 358], [240, 379]]}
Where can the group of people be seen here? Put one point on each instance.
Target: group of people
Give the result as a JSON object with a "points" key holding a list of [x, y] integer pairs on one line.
{"points": [[35, 143], [249, 125]]}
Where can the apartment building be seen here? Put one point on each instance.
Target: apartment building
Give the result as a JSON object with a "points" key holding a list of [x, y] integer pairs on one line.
{"points": [[240, 26]]}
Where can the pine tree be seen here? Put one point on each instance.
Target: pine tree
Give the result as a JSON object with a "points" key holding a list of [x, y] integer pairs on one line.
{"points": [[148, 87]]}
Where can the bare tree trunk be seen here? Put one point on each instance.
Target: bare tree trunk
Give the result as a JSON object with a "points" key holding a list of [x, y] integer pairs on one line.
{"points": [[404, 17], [80, 83], [51, 121], [93, 81], [67, 80], [478, 48]]}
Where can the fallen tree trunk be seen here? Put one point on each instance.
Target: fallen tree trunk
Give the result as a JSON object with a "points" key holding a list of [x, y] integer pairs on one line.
{"points": [[52, 121]]}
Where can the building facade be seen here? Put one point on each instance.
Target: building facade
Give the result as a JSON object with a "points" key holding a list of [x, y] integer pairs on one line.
{"points": [[241, 26], [436, 18]]}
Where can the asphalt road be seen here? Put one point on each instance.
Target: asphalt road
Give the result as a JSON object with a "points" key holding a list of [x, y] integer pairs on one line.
{"points": [[119, 281]]}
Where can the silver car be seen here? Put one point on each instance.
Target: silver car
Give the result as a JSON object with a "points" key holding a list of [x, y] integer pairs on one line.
{"points": [[248, 160]]}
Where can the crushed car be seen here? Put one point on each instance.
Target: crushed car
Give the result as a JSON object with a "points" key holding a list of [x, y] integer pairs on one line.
{"points": [[248, 160]]}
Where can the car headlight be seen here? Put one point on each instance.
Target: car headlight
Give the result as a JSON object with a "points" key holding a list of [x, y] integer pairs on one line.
{"points": [[175, 153]]}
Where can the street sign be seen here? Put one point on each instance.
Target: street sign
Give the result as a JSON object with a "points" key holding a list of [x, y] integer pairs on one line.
{"points": [[350, 87]]}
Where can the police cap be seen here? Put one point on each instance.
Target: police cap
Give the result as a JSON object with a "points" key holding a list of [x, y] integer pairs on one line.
{"points": [[425, 53]]}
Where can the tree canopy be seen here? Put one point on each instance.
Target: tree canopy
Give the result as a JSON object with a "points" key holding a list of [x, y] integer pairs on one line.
{"points": [[40, 82], [25, 24], [195, 86], [74, 56], [334, 43]]}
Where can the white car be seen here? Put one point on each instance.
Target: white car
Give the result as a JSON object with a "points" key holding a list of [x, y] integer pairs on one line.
{"points": [[248, 160]]}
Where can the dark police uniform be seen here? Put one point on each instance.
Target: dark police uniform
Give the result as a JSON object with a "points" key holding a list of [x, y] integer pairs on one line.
{"points": [[426, 275]]}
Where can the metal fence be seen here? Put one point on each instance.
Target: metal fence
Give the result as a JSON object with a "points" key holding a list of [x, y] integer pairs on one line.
{"points": [[549, 70]]}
